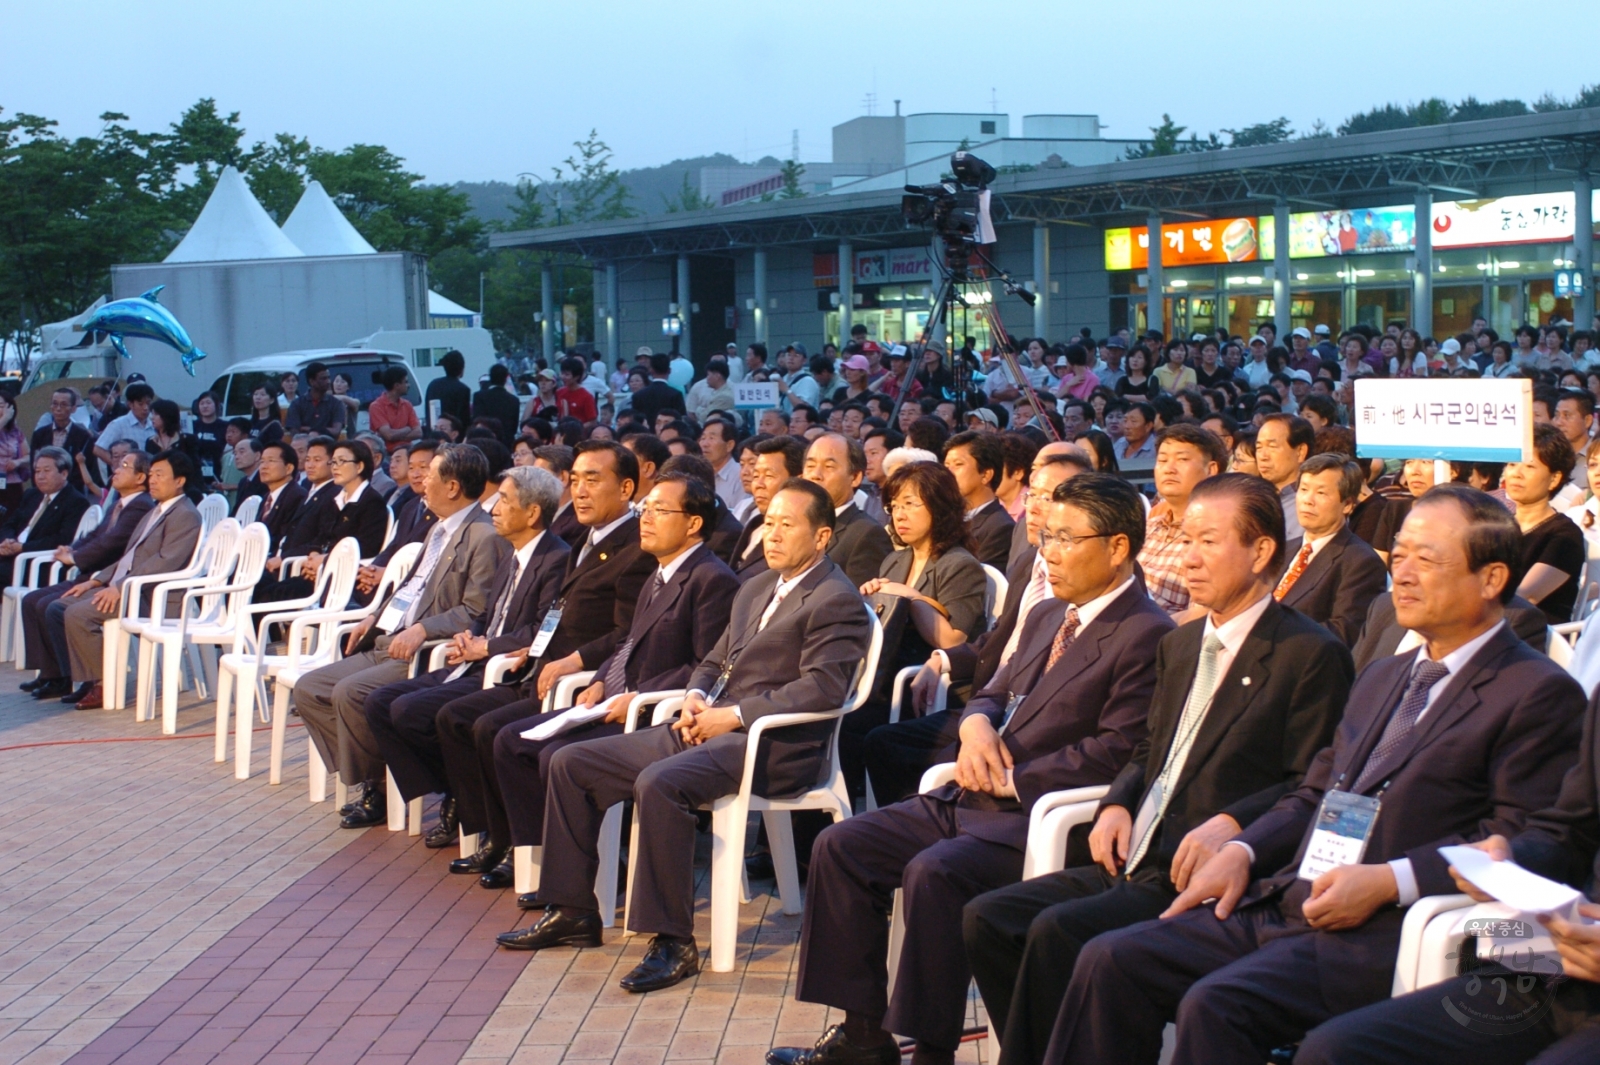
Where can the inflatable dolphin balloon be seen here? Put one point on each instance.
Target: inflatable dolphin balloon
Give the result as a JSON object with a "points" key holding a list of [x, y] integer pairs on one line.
{"points": [[140, 316]]}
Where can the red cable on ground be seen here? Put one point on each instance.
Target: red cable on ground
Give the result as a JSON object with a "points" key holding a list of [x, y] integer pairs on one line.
{"points": [[132, 739]]}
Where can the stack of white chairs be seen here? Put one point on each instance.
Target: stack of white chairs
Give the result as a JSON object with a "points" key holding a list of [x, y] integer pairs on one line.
{"points": [[32, 570], [210, 615], [250, 662], [213, 508], [248, 510]]}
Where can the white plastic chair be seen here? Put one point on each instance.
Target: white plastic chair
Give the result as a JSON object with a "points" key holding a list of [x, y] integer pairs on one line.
{"points": [[994, 594], [562, 694], [249, 662], [32, 570], [116, 640], [730, 813], [1430, 942], [213, 508], [248, 510], [407, 816], [218, 556], [315, 640], [1561, 640]]}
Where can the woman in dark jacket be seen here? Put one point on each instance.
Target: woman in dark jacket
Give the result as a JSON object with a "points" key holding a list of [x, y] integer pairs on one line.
{"points": [[357, 510]]}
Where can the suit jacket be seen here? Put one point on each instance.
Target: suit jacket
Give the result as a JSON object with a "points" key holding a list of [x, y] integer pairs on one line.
{"points": [[654, 398], [79, 440], [534, 594], [1079, 722], [973, 664], [725, 536], [456, 594], [306, 534], [167, 546], [412, 520], [1381, 635], [992, 527], [1339, 585], [1270, 714], [109, 540], [281, 518], [250, 486], [677, 625], [859, 545], [1562, 841], [493, 401], [597, 599], [568, 527], [802, 661], [1489, 752], [366, 519], [56, 526], [756, 564]]}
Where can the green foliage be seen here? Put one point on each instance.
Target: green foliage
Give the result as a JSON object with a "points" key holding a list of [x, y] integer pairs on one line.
{"points": [[1471, 109], [1261, 133], [1167, 139], [591, 190], [792, 189], [688, 198]]}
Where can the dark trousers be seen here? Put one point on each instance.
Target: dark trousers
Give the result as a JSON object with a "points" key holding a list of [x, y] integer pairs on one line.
{"points": [[856, 866], [46, 642], [1237, 990], [402, 718], [1565, 1028], [897, 755], [668, 782], [1023, 940], [853, 743], [466, 729], [523, 766]]}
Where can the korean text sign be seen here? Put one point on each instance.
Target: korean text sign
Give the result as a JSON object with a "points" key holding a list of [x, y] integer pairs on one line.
{"points": [[1462, 420]]}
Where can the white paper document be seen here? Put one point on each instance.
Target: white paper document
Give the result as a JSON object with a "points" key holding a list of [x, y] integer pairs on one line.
{"points": [[577, 717], [1513, 885]]}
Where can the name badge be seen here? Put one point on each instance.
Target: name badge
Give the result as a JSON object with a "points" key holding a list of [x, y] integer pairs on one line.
{"points": [[721, 685], [547, 629], [1011, 708], [1343, 826], [392, 614]]}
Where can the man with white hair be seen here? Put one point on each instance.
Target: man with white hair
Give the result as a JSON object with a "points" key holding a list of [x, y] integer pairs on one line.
{"points": [[905, 456]]}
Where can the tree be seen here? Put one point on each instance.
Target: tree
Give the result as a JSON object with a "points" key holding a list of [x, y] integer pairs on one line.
{"points": [[277, 174], [1167, 139], [592, 190], [1471, 110], [1261, 133], [688, 198], [792, 172], [528, 211], [390, 206]]}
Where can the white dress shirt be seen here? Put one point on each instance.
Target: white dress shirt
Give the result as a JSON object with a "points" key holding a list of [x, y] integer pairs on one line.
{"points": [[597, 535]]}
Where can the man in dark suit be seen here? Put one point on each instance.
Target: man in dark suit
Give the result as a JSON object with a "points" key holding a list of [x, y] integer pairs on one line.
{"points": [[682, 613], [48, 515], [778, 458], [1331, 575], [403, 715], [795, 640], [979, 461], [1065, 711], [1382, 635], [859, 544], [493, 400], [596, 601], [898, 754], [447, 592], [725, 530], [658, 395], [164, 541], [412, 518], [280, 507], [558, 459], [1526, 1007], [65, 433], [46, 645], [1463, 739], [1244, 699]]}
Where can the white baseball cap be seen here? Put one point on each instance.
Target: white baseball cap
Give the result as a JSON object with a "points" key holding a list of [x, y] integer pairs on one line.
{"points": [[1301, 331]]}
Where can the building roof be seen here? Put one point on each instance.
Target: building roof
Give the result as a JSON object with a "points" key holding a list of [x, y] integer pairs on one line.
{"points": [[1497, 156], [317, 227], [233, 225]]}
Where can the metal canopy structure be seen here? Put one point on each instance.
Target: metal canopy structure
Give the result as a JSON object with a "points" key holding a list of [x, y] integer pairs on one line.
{"points": [[1464, 160]]}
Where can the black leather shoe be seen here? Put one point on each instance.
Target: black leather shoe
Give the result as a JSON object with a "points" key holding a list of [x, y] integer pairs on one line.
{"points": [[75, 697], [502, 876], [530, 901], [485, 858], [30, 685], [669, 961], [373, 809], [557, 928], [834, 1049], [53, 688], [448, 830]]}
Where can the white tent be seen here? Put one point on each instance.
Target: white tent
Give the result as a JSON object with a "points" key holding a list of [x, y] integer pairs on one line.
{"points": [[233, 225], [318, 227]]}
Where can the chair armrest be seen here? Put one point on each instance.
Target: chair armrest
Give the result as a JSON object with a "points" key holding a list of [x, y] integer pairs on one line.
{"points": [[772, 721], [133, 586], [937, 777], [567, 688], [425, 652], [496, 669], [291, 566], [902, 686], [1052, 818], [644, 699], [158, 600], [436, 657], [1415, 934], [667, 709], [26, 566]]}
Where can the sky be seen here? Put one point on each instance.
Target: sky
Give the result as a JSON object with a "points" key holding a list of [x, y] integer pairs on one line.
{"points": [[489, 89]]}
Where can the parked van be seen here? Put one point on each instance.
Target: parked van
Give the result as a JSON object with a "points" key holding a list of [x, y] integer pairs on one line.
{"points": [[233, 388]]}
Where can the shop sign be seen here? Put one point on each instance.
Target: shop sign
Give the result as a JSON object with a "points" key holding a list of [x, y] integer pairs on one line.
{"points": [[1569, 284], [1215, 240], [1538, 218], [1320, 234], [1452, 419], [755, 395], [880, 266]]}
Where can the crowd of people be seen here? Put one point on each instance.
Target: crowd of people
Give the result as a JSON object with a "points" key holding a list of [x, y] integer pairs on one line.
{"points": [[1277, 630]]}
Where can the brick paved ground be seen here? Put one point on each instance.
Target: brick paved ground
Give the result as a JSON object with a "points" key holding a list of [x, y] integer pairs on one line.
{"points": [[152, 908]]}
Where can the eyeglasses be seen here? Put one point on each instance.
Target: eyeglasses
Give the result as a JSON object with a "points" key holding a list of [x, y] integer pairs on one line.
{"points": [[343, 462], [1049, 539], [651, 511], [908, 505]]}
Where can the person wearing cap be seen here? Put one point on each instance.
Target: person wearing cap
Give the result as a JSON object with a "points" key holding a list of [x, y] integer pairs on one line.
{"points": [[711, 393], [797, 386], [1301, 357], [899, 363], [1324, 347], [730, 355], [856, 369], [1450, 359], [982, 420], [1258, 371], [1109, 364]]}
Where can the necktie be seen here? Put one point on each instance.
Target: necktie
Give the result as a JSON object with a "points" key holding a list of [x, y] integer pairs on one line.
{"points": [[1064, 637], [38, 512], [502, 610], [413, 587], [778, 596], [1189, 722], [1038, 588], [1301, 561], [266, 508], [126, 562], [616, 679], [1424, 676]]}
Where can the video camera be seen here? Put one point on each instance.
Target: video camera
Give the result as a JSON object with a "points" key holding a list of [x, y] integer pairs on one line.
{"points": [[958, 209]]}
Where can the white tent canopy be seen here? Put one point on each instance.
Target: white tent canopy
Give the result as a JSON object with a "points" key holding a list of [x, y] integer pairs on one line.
{"points": [[440, 306], [317, 227], [233, 225]]}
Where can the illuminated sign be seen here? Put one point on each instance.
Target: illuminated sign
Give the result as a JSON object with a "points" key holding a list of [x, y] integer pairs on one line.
{"points": [[1542, 217], [1215, 240], [881, 266], [1318, 234]]}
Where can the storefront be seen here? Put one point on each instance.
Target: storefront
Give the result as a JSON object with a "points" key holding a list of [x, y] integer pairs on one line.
{"points": [[1493, 258], [893, 290]]}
